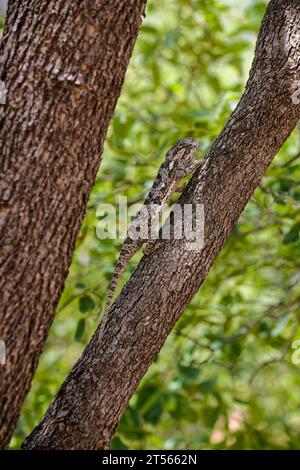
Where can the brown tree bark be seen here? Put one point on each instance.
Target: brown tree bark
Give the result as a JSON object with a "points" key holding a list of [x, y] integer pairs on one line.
{"points": [[87, 409], [63, 63]]}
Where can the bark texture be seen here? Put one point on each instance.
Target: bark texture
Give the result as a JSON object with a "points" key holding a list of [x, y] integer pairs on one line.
{"points": [[86, 411], [63, 63]]}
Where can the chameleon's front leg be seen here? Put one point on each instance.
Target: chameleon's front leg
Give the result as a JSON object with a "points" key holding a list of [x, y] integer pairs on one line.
{"points": [[194, 166], [183, 171], [190, 169]]}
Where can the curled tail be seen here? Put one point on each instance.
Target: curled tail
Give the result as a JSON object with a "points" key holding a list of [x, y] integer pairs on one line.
{"points": [[128, 250]]}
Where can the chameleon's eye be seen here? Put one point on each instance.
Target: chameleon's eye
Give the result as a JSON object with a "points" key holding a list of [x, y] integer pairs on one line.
{"points": [[179, 173], [181, 153]]}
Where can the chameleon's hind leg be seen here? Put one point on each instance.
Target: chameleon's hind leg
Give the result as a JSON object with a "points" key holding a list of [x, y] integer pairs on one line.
{"points": [[151, 246]]}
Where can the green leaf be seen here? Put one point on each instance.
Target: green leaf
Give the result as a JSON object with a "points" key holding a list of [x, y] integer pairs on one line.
{"points": [[293, 235], [118, 444], [156, 74], [148, 29], [80, 330], [280, 326], [145, 394], [207, 385], [86, 303], [153, 414], [79, 285], [189, 373]]}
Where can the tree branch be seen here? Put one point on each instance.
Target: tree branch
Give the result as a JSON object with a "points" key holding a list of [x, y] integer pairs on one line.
{"points": [[63, 64]]}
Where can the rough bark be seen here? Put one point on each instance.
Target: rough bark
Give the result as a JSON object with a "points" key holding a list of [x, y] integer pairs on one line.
{"points": [[87, 409], [63, 63]]}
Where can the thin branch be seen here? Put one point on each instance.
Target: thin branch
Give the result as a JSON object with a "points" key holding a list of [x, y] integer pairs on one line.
{"points": [[289, 162]]}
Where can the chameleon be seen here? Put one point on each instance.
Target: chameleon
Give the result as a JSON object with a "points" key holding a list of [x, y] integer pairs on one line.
{"points": [[179, 162]]}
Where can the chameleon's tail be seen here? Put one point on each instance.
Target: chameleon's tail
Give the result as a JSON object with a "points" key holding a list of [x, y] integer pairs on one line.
{"points": [[125, 256], [119, 269]]}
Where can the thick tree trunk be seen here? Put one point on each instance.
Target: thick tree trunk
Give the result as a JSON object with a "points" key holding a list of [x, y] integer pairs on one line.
{"points": [[87, 409], [63, 63]]}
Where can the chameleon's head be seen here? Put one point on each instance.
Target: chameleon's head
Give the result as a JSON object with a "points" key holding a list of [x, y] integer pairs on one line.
{"points": [[183, 151], [181, 156]]}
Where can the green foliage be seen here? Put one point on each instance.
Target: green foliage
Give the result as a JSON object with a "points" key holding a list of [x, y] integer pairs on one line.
{"points": [[86, 303], [293, 235], [225, 377]]}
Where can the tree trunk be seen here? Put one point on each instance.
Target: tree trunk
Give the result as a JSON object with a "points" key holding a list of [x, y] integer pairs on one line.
{"points": [[87, 409], [63, 64]]}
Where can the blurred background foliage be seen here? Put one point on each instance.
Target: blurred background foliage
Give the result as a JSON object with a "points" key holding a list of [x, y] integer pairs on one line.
{"points": [[226, 378]]}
